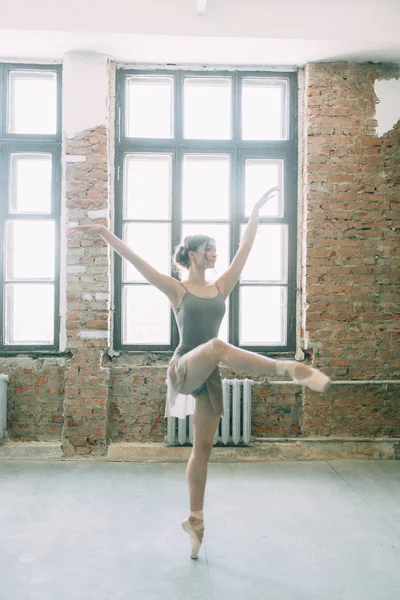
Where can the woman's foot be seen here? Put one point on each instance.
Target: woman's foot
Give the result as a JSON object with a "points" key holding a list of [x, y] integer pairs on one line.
{"points": [[194, 526], [200, 531], [303, 375]]}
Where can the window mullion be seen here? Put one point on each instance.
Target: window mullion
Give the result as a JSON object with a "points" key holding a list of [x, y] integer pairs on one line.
{"points": [[29, 144], [3, 209], [176, 209], [3, 103], [176, 188], [235, 219], [178, 107]]}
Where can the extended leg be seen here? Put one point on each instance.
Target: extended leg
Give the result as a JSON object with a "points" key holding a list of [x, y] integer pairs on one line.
{"points": [[202, 361]]}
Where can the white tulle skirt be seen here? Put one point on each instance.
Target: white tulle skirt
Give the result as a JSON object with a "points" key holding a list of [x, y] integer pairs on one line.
{"points": [[181, 405]]}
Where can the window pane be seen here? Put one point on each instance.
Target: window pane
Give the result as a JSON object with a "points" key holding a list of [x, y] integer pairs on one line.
{"points": [[30, 183], [220, 233], [147, 188], [262, 320], [205, 186], [29, 314], [152, 242], [264, 110], [150, 106], [207, 108], [261, 174], [30, 249], [32, 102], [146, 314], [268, 257]]}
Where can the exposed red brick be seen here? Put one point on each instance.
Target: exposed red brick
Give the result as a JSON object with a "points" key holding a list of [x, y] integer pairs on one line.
{"points": [[351, 190]]}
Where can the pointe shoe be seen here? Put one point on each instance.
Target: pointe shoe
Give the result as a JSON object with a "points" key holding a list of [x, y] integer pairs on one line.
{"points": [[316, 380], [192, 531]]}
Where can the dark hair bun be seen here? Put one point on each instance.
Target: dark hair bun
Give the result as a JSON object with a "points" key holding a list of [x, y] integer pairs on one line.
{"points": [[190, 243], [182, 257]]}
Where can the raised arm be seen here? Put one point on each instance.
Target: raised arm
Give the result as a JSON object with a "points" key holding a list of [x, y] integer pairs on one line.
{"points": [[228, 280], [166, 284]]}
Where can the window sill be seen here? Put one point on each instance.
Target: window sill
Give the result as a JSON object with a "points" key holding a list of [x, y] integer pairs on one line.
{"points": [[168, 353], [34, 353]]}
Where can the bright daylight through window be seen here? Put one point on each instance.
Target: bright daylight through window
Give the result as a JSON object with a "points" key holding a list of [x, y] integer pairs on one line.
{"points": [[30, 146], [195, 151]]}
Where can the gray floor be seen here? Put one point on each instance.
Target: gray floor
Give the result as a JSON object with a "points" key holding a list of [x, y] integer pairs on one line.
{"points": [[276, 531]]}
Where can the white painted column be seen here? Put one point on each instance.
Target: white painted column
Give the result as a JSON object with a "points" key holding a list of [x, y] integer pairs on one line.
{"points": [[85, 107]]}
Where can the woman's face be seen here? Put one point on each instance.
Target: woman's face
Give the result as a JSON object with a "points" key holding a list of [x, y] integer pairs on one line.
{"points": [[205, 255]]}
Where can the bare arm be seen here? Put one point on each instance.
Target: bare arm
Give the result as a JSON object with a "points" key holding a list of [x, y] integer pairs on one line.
{"points": [[228, 280], [166, 284]]}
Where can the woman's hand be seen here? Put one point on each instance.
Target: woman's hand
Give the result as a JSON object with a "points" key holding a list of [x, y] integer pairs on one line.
{"points": [[264, 198]]}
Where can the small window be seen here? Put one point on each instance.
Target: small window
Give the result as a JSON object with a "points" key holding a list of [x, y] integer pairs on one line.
{"points": [[30, 151]]}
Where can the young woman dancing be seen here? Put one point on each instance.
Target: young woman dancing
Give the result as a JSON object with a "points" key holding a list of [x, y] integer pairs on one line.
{"points": [[193, 371]]}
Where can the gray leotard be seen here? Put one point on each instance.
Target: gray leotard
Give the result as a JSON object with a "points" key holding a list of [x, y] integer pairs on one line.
{"points": [[199, 320]]}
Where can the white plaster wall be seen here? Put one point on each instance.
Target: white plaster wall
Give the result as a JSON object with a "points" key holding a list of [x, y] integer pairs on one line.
{"points": [[49, 46], [388, 108], [231, 32], [346, 20], [85, 92]]}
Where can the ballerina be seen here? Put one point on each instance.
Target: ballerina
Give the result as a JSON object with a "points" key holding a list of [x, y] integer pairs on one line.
{"points": [[193, 371]]}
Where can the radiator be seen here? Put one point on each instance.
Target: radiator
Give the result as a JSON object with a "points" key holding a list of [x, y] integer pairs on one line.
{"points": [[234, 427], [3, 405]]}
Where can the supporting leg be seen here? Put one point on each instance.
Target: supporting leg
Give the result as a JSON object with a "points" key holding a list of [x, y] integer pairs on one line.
{"points": [[205, 424]]}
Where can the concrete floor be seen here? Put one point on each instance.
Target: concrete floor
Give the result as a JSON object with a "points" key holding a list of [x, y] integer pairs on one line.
{"points": [[279, 531]]}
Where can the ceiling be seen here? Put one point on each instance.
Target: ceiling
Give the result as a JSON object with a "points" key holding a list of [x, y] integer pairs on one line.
{"points": [[230, 32]]}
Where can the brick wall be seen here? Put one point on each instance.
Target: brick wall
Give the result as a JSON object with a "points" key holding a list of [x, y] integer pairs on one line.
{"points": [[137, 403], [88, 293], [88, 399], [35, 397], [352, 248]]}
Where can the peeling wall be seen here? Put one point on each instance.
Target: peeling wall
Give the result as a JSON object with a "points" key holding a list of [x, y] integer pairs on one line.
{"points": [[388, 105], [348, 217]]}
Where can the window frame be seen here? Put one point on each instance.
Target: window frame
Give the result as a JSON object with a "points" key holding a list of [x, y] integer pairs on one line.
{"points": [[239, 150], [11, 143]]}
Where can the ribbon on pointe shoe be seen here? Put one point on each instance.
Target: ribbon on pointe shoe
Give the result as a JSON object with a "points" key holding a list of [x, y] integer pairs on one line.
{"points": [[192, 531]]}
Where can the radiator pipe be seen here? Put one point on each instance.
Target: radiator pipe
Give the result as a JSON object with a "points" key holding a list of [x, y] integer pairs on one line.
{"points": [[352, 382]]}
